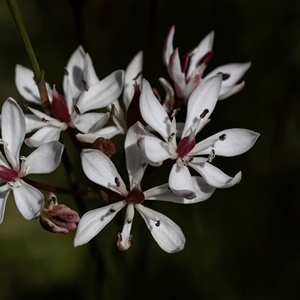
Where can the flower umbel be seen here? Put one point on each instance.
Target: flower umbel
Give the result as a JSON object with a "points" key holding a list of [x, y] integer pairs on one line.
{"points": [[45, 159]]}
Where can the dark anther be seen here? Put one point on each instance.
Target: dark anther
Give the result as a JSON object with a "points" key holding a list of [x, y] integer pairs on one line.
{"points": [[143, 165], [224, 75], [204, 113], [117, 181], [137, 76], [157, 223], [211, 156], [25, 104], [77, 110], [129, 221], [222, 137], [170, 138], [85, 85], [66, 72], [175, 111], [113, 110], [45, 120], [112, 210]]}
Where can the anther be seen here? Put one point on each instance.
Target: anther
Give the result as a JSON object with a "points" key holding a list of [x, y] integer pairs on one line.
{"points": [[170, 138], [66, 72], [204, 113], [222, 137], [5, 144], [129, 221], [27, 169], [45, 120], [187, 161], [117, 181], [137, 76], [25, 104], [211, 156], [112, 210], [113, 110], [85, 85], [77, 110], [175, 111], [224, 75], [157, 223], [23, 158], [143, 165]]}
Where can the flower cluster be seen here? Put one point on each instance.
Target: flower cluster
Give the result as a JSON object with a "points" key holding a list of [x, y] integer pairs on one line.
{"points": [[153, 136]]}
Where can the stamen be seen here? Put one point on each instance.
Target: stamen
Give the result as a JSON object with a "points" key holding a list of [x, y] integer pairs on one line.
{"points": [[27, 169], [112, 210], [175, 111], [222, 137], [157, 223], [137, 76], [204, 113], [45, 120], [85, 85], [211, 156], [187, 161], [128, 221], [25, 104], [170, 138], [5, 144], [117, 181], [224, 75], [66, 73], [77, 110], [113, 110], [143, 165], [23, 158]]}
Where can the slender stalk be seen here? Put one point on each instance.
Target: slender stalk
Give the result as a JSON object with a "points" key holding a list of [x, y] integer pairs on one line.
{"points": [[38, 73]]}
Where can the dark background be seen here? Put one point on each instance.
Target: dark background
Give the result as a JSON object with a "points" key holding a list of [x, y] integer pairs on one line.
{"points": [[243, 243]]}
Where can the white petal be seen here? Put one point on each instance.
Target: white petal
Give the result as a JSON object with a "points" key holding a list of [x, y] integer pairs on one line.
{"points": [[89, 75], [180, 182], [228, 91], [3, 199], [134, 68], [91, 122], [166, 233], [103, 93], [214, 176], [202, 190], [237, 141], [33, 122], [42, 136], [44, 159], [92, 222], [203, 48], [75, 69], [153, 112], [26, 85], [107, 133], [168, 46], [136, 163], [13, 128], [47, 119], [29, 200], [100, 169], [154, 149], [124, 238], [236, 72], [176, 73], [205, 96]]}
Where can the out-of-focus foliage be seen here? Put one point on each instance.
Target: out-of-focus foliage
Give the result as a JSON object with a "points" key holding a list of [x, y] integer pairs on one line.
{"points": [[243, 243]]}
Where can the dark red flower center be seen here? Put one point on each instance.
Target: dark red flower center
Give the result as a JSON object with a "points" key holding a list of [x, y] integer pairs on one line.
{"points": [[135, 196], [59, 108], [7, 174], [185, 146]]}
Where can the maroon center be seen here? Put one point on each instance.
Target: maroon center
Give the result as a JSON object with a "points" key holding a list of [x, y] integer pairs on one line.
{"points": [[185, 146], [7, 174], [59, 108], [135, 196]]}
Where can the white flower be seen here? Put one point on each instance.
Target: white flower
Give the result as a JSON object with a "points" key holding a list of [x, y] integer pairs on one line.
{"points": [[189, 74], [45, 159], [99, 168], [123, 120], [83, 91], [228, 142]]}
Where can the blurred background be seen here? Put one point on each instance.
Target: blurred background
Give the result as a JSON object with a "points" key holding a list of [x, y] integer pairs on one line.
{"points": [[242, 243]]}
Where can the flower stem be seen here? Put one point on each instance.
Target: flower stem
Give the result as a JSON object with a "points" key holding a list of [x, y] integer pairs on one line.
{"points": [[38, 74]]}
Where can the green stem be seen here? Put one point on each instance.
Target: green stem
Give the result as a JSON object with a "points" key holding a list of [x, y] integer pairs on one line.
{"points": [[38, 74], [20, 24]]}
